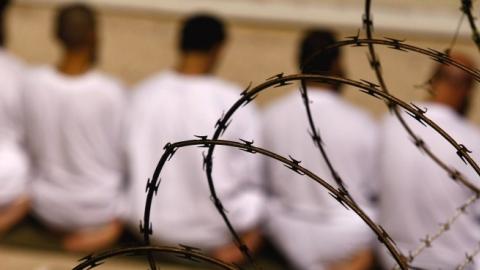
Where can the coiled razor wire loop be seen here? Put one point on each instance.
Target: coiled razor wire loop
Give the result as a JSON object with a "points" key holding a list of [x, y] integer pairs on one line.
{"points": [[418, 141], [377, 91], [248, 96], [190, 253], [365, 87], [290, 163], [223, 123], [396, 44], [467, 10]]}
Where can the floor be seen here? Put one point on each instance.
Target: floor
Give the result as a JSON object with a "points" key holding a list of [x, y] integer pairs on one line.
{"points": [[29, 246], [14, 258]]}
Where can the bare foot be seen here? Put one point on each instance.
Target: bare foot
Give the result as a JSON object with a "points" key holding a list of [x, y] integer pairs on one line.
{"points": [[93, 239], [13, 213], [231, 254], [362, 260]]}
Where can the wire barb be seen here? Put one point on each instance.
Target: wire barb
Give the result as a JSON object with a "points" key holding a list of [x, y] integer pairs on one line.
{"points": [[341, 193]]}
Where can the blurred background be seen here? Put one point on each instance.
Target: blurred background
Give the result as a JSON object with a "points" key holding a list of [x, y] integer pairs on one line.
{"points": [[138, 39]]}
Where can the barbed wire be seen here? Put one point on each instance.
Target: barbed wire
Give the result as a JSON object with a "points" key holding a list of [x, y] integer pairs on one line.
{"points": [[92, 261], [455, 35], [280, 80], [469, 258], [454, 174], [341, 194], [183, 252], [428, 240], [318, 142], [290, 163], [398, 45], [417, 140], [466, 8]]}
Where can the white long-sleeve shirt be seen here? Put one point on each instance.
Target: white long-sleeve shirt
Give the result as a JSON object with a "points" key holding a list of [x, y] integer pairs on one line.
{"points": [[73, 126], [416, 195], [309, 226], [13, 160], [171, 107]]}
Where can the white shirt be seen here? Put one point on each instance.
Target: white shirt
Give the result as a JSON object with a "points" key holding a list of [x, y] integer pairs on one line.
{"points": [[310, 226], [417, 195], [74, 136], [13, 161], [171, 107]]}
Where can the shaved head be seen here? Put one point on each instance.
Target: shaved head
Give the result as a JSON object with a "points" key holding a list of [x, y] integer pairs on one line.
{"points": [[4, 4], [3, 7], [76, 26]]}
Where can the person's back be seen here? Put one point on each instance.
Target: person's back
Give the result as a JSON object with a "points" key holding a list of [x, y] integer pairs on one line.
{"points": [[13, 166], [73, 124], [311, 227], [174, 106], [73, 120], [286, 126], [416, 195], [13, 160]]}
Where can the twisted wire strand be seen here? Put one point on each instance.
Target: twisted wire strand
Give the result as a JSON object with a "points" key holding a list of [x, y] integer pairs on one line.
{"points": [[191, 253], [466, 8], [290, 163], [223, 122], [469, 258], [281, 80], [398, 45], [428, 240], [371, 90], [318, 142], [247, 97], [187, 253], [342, 194], [415, 113], [455, 35], [418, 141], [376, 66]]}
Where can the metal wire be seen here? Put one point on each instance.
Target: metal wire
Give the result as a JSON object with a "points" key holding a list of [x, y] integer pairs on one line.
{"points": [[466, 8], [341, 194], [184, 252]]}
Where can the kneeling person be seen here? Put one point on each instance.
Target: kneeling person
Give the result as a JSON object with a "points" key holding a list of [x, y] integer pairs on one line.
{"points": [[14, 201], [74, 121], [176, 105], [312, 229]]}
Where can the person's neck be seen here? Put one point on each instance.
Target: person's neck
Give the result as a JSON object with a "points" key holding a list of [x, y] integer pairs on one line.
{"points": [[194, 64], [446, 101], [74, 63]]}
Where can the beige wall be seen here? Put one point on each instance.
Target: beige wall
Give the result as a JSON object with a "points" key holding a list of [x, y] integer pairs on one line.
{"points": [[137, 44]]}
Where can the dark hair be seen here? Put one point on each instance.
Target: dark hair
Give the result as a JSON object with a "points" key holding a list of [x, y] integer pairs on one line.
{"points": [[3, 7], [312, 42], [75, 24], [4, 4], [201, 33]]}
